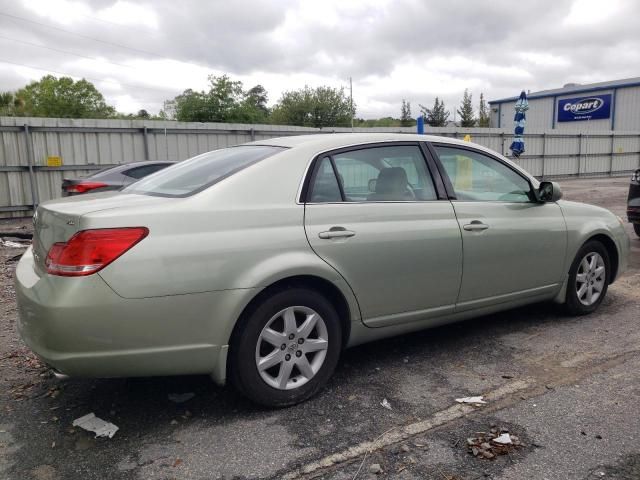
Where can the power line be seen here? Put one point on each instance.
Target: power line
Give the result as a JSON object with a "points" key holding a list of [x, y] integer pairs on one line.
{"points": [[69, 32], [2, 60], [64, 51]]}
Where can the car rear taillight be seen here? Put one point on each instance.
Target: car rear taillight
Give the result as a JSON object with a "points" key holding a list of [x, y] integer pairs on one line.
{"points": [[83, 187], [91, 250]]}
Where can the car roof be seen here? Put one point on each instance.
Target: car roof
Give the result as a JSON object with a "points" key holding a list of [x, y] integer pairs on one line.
{"points": [[337, 140], [321, 142]]}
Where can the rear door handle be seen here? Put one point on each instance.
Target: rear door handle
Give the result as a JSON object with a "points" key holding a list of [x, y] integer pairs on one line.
{"points": [[475, 226], [336, 232]]}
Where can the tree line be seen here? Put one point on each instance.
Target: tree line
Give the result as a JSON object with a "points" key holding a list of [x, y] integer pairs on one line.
{"points": [[227, 101], [438, 115]]}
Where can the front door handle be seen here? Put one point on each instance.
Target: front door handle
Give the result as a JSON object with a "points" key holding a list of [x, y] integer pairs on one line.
{"points": [[336, 232], [475, 226]]}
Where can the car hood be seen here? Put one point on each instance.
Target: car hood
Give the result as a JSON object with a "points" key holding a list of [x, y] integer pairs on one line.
{"points": [[585, 207]]}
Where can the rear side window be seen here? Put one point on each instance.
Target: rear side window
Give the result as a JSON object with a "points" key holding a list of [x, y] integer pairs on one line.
{"points": [[375, 174], [325, 187], [194, 175]]}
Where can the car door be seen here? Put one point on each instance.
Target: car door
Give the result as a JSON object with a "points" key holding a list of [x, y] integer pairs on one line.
{"points": [[374, 214], [514, 247]]}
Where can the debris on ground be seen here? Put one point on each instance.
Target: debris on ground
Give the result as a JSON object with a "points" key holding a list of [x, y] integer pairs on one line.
{"points": [[385, 403], [503, 439], [91, 423], [375, 468], [15, 258], [472, 400], [181, 397], [12, 244], [498, 441]]}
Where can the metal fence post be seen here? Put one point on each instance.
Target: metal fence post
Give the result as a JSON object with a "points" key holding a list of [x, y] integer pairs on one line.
{"points": [[579, 152], [611, 159], [145, 137], [252, 132], [544, 151], [33, 182], [502, 152]]}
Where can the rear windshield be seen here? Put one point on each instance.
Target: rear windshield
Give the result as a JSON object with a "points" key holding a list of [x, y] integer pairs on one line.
{"points": [[194, 175]]}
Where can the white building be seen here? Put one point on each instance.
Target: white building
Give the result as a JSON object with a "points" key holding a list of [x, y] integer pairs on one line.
{"points": [[613, 105]]}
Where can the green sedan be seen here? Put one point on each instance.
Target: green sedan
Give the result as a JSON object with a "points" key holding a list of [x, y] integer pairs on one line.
{"points": [[260, 263]]}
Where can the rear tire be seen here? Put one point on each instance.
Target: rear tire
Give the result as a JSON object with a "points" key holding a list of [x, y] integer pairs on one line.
{"points": [[588, 279], [286, 348], [636, 228]]}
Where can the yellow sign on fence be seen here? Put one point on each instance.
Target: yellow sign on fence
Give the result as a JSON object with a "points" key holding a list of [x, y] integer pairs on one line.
{"points": [[54, 161]]}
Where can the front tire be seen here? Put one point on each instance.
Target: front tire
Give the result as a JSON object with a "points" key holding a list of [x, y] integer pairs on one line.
{"points": [[286, 348], [636, 228], [588, 279]]}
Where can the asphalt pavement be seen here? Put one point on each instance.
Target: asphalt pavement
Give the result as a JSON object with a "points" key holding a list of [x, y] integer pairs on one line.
{"points": [[568, 388]]}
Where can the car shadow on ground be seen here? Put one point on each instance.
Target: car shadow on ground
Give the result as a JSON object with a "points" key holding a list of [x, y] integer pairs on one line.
{"points": [[136, 399]]}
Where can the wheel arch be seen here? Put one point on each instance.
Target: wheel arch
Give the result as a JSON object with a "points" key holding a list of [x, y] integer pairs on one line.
{"points": [[312, 282], [612, 251], [323, 286]]}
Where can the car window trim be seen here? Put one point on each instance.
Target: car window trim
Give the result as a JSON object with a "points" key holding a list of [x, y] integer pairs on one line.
{"points": [[337, 175], [315, 163], [314, 175], [447, 180]]}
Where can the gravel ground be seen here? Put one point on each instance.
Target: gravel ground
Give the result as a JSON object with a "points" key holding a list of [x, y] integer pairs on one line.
{"points": [[569, 388]]}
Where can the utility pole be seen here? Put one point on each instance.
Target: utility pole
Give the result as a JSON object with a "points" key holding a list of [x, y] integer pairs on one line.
{"points": [[351, 102]]}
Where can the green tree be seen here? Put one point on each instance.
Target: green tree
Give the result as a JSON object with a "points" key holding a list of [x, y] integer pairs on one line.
{"points": [[467, 115], [10, 105], [256, 102], [483, 113], [63, 97], [314, 107], [436, 116], [405, 114], [225, 101], [378, 122]]}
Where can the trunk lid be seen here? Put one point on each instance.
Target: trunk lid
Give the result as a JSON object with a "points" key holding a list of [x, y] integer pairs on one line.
{"points": [[58, 220]]}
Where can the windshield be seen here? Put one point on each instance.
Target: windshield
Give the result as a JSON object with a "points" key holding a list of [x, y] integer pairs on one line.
{"points": [[197, 173]]}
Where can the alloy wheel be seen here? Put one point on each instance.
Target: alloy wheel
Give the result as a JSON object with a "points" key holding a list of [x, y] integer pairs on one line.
{"points": [[590, 278], [292, 347]]}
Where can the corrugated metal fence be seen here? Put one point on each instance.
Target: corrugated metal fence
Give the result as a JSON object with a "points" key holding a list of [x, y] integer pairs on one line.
{"points": [[29, 147]]}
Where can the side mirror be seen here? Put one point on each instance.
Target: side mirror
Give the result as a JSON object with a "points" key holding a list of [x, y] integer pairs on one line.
{"points": [[549, 192]]}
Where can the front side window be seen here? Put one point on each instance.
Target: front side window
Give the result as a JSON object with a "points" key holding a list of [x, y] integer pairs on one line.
{"points": [[478, 177], [376, 174], [197, 173]]}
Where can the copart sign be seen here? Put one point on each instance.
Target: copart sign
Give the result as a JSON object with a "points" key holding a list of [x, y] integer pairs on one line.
{"points": [[594, 107]]}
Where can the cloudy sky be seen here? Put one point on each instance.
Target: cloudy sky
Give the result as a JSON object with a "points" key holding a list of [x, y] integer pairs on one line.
{"points": [[140, 53]]}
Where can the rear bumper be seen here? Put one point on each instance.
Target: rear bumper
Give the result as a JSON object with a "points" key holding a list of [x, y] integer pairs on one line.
{"points": [[81, 327]]}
